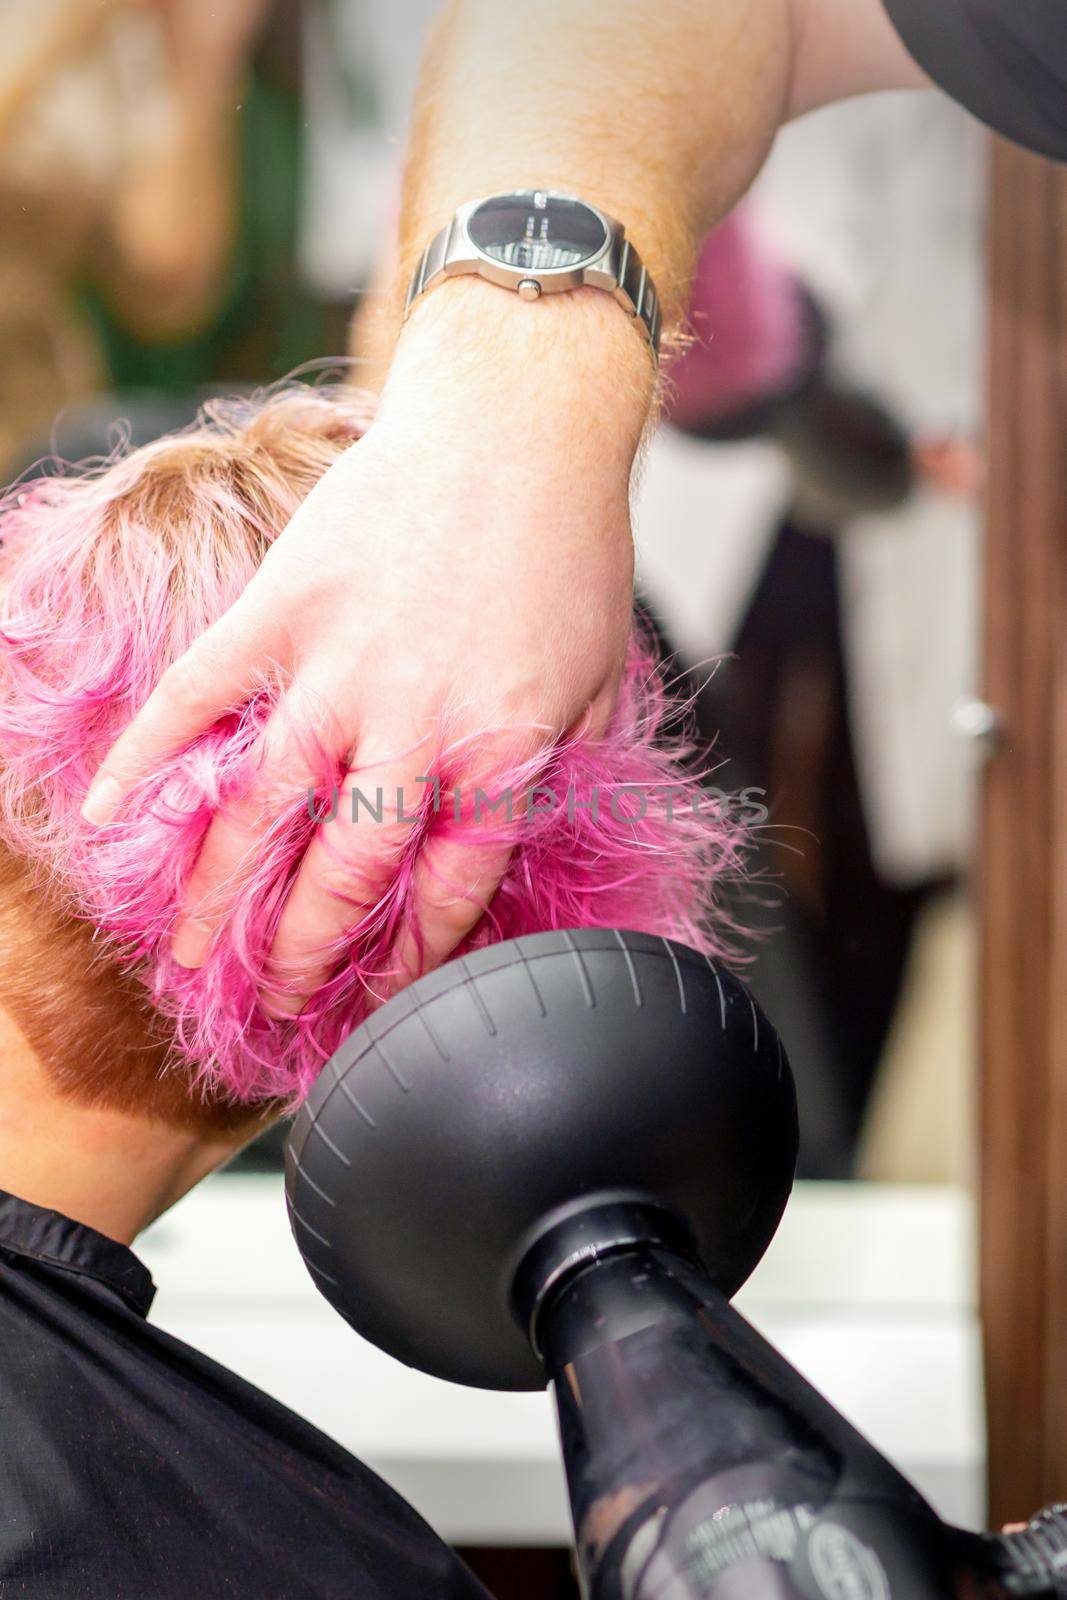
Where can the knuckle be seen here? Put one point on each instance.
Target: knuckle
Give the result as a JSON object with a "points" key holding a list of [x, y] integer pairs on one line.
{"points": [[190, 684], [450, 913], [352, 879]]}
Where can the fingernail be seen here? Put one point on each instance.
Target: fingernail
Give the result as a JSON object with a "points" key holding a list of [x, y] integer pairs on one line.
{"points": [[102, 801], [189, 946]]}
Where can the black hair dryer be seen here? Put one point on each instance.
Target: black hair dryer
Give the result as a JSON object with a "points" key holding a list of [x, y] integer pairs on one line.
{"points": [[555, 1160]]}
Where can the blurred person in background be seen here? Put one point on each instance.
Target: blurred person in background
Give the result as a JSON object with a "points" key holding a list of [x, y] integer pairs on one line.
{"points": [[150, 199], [117, 168]]}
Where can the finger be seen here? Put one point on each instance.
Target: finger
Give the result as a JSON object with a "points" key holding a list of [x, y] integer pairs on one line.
{"points": [[453, 886], [349, 864], [455, 880], [235, 838], [222, 668], [457, 875]]}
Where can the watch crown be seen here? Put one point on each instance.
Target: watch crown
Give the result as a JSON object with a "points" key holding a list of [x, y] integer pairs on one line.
{"points": [[528, 288]]}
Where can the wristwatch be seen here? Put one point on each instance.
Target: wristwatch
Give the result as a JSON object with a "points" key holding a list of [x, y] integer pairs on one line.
{"points": [[537, 242]]}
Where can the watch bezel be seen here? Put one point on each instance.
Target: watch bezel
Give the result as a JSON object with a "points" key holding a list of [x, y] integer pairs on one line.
{"points": [[548, 278], [616, 267]]}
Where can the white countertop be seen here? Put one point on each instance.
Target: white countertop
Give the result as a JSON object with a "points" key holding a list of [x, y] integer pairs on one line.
{"points": [[868, 1289]]}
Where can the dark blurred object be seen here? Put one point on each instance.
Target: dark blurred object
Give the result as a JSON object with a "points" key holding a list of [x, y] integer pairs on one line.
{"points": [[849, 455], [758, 364], [522, 1574]]}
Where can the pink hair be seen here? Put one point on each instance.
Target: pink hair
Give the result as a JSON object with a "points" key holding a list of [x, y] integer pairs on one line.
{"points": [[106, 577], [746, 313]]}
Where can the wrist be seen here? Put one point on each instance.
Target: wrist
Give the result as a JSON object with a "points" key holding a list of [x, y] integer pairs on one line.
{"points": [[573, 363]]}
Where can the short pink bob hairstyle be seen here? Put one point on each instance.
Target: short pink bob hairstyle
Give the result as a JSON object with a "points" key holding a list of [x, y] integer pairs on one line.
{"points": [[106, 576]]}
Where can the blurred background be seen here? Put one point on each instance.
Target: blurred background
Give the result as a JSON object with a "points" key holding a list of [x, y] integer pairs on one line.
{"points": [[194, 195]]}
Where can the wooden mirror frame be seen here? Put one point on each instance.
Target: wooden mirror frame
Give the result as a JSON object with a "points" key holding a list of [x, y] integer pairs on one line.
{"points": [[1023, 858]]}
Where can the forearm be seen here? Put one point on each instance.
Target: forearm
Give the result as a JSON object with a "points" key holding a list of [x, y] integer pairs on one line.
{"points": [[845, 48], [660, 113]]}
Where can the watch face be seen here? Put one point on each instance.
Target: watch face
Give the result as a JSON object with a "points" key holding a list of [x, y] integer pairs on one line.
{"points": [[535, 231]]}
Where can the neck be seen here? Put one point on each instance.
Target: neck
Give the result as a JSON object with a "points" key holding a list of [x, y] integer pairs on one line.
{"points": [[113, 1170]]}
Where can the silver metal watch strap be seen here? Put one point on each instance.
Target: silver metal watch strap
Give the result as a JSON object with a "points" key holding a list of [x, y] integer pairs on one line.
{"points": [[431, 265], [623, 275], [637, 292]]}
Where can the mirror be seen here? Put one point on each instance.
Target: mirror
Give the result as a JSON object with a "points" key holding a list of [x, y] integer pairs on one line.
{"points": [[808, 519]]}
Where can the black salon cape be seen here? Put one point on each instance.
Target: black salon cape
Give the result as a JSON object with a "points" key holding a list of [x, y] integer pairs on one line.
{"points": [[1005, 60], [132, 1468]]}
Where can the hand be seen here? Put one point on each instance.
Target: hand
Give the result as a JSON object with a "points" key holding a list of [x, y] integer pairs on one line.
{"points": [[474, 546]]}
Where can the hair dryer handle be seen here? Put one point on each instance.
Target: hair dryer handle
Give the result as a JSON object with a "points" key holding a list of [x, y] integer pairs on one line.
{"points": [[1034, 1557]]}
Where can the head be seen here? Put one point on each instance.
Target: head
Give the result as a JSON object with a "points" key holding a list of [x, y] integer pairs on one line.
{"points": [[106, 576]]}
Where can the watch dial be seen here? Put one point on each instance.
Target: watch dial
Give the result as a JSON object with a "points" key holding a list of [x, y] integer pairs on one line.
{"points": [[536, 231]]}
